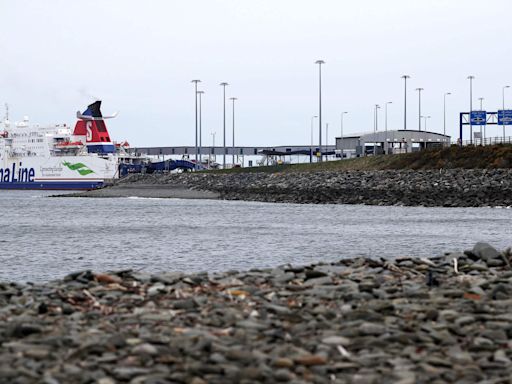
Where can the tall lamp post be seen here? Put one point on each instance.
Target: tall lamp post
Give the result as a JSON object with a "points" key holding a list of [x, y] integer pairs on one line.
{"points": [[223, 85], [320, 62], [419, 107], [341, 134], [376, 127], [326, 135], [470, 78], [386, 127], [233, 100], [200, 93], [405, 77], [425, 118], [195, 95], [503, 106], [311, 147], [213, 146], [444, 111], [481, 99]]}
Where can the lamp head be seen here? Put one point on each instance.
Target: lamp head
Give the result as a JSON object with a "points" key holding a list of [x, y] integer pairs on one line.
{"points": [[196, 81], [320, 62], [406, 77], [223, 84]]}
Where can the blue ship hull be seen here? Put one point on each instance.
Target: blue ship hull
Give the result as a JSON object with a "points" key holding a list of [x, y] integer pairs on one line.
{"points": [[54, 185]]}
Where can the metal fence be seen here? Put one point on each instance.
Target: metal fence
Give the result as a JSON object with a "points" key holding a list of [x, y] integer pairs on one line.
{"points": [[487, 141]]}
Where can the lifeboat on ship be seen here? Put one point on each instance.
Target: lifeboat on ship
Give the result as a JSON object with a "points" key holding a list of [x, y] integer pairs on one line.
{"points": [[124, 144], [69, 145]]}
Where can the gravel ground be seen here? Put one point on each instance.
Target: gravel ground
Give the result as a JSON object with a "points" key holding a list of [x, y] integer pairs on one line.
{"points": [[445, 319], [148, 191]]}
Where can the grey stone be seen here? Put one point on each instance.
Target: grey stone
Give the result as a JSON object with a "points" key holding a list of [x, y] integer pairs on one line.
{"points": [[485, 251]]}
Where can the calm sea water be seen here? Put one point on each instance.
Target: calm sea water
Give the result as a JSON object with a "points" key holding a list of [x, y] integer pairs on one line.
{"points": [[43, 238]]}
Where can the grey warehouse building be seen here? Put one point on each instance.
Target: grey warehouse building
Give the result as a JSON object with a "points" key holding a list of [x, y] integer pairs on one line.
{"points": [[389, 142]]}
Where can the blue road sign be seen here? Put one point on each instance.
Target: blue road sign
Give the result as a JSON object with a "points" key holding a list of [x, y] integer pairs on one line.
{"points": [[478, 118], [505, 117]]}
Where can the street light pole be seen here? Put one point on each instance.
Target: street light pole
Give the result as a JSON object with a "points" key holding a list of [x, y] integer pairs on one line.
{"points": [[386, 128], [213, 146], [470, 78], [341, 134], [419, 107], [425, 120], [375, 127], [405, 77], [375, 122], [195, 94], [503, 106], [311, 147], [444, 112], [320, 62], [233, 100], [481, 99], [200, 93], [224, 125], [326, 135]]}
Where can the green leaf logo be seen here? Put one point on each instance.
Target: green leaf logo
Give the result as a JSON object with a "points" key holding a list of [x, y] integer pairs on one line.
{"points": [[81, 168]]}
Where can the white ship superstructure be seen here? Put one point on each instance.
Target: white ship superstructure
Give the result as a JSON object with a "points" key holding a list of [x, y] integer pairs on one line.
{"points": [[57, 156]]}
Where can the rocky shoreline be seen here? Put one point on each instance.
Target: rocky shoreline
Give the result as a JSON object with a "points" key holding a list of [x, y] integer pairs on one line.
{"points": [[430, 188], [443, 319]]}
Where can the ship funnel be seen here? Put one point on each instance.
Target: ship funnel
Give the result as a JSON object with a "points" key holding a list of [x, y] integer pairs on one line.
{"points": [[91, 124]]}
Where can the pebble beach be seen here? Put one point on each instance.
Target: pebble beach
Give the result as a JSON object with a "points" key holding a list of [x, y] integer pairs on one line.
{"points": [[363, 320]]}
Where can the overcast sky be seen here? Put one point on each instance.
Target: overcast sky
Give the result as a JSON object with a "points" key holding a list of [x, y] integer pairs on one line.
{"points": [[139, 57]]}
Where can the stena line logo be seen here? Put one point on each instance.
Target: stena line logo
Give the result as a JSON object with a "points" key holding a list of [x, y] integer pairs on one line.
{"points": [[17, 174], [81, 168], [88, 126]]}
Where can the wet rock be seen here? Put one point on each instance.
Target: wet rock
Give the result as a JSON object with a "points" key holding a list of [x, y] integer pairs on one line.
{"points": [[283, 375], [310, 360], [21, 330], [283, 362], [485, 251], [372, 329], [184, 304], [145, 349], [336, 340]]}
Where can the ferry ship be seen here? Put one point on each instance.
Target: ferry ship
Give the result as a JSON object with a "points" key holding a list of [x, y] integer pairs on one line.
{"points": [[59, 157]]}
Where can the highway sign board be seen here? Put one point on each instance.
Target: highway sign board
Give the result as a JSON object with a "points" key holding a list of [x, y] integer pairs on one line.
{"points": [[505, 117], [478, 117]]}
